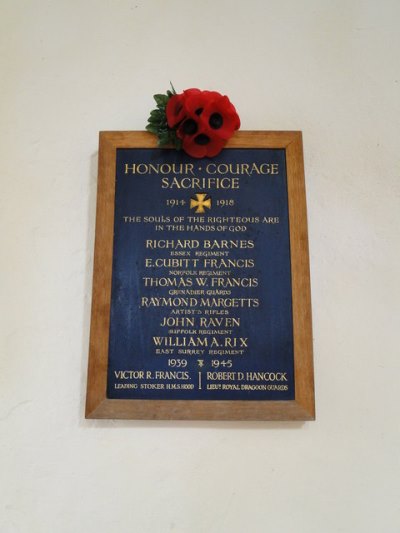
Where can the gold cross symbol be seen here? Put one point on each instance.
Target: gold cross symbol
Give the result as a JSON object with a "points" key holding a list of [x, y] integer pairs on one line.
{"points": [[201, 203]]}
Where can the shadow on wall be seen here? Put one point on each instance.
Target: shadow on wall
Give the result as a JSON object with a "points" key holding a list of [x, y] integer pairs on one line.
{"points": [[87, 294]]}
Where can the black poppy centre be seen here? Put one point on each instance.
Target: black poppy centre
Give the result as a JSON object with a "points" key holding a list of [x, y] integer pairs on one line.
{"points": [[189, 127], [216, 121], [202, 139]]}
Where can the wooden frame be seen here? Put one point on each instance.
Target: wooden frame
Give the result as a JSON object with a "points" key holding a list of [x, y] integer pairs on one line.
{"points": [[302, 407]]}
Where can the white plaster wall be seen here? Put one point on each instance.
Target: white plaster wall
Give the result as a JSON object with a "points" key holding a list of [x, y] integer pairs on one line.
{"points": [[70, 68]]}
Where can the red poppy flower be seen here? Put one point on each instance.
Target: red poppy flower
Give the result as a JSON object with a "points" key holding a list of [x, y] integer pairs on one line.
{"points": [[175, 109], [205, 120], [202, 145]]}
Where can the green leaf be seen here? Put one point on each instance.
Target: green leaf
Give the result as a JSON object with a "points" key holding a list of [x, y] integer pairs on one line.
{"points": [[152, 128], [163, 138], [154, 120], [156, 113], [161, 99], [157, 121]]}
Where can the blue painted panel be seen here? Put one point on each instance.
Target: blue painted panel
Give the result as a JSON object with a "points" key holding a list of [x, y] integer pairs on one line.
{"points": [[229, 343]]}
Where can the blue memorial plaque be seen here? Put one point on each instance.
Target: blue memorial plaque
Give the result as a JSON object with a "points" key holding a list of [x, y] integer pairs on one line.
{"points": [[201, 303], [201, 310]]}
